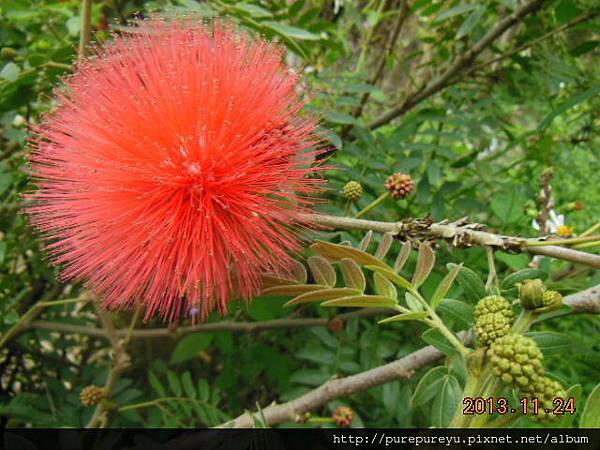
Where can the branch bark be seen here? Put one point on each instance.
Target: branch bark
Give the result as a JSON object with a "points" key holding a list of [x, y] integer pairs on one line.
{"points": [[462, 64], [459, 234]]}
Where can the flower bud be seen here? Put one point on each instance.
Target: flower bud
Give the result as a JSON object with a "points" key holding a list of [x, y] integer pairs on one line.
{"points": [[91, 395], [516, 360], [551, 301], [400, 185], [352, 191], [494, 304], [343, 416], [490, 327], [531, 294], [545, 390]]}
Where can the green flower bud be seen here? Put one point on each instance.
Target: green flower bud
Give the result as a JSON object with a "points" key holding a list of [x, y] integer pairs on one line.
{"points": [[545, 390], [352, 191], [490, 327], [494, 304], [551, 301], [516, 360], [531, 293]]}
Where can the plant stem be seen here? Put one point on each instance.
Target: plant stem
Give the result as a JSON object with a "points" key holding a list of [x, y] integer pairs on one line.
{"points": [[372, 205], [591, 230], [523, 322], [31, 314], [436, 322], [570, 241], [492, 280], [86, 19]]}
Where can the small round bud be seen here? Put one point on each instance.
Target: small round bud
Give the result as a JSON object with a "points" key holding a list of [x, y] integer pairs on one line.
{"points": [[352, 191], [494, 304], [343, 416], [400, 185], [551, 301], [490, 327], [516, 360], [531, 294], [91, 395]]}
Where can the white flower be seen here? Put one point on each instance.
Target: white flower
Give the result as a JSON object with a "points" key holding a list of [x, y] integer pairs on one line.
{"points": [[555, 224]]}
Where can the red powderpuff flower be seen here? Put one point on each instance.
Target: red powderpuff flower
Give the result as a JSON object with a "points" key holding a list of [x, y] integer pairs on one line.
{"points": [[174, 169]]}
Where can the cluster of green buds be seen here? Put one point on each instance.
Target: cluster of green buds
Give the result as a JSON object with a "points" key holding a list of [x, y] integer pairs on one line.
{"points": [[516, 360], [352, 191], [494, 317], [534, 297], [545, 390]]}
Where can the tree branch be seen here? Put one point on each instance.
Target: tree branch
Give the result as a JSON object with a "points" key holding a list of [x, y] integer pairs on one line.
{"points": [[462, 64], [460, 234], [404, 368], [242, 327]]}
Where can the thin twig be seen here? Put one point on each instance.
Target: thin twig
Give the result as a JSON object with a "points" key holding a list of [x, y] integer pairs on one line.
{"points": [[241, 327], [462, 64], [86, 19]]}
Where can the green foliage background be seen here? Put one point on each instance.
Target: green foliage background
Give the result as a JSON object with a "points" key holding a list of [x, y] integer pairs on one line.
{"points": [[476, 149]]}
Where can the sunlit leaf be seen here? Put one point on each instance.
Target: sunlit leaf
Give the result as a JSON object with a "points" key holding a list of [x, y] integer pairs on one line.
{"points": [[406, 316], [444, 286], [363, 301], [324, 294], [336, 252], [353, 274], [322, 270], [425, 262]]}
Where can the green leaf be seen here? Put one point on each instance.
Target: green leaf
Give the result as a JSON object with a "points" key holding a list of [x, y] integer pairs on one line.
{"points": [[365, 241], [174, 383], [290, 31], [551, 342], [340, 118], [457, 10], [254, 10], [470, 22], [445, 403], [565, 11], [5, 182], [188, 385], [434, 337], [402, 256], [580, 98], [398, 280], [429, 386], [522, 275], [413, 302], [508, 206], [336, 252], [384, 287], [323, 294], [444, 286], [590, 418], [362, 301], [156, 384], [190, 346], [419, 315], [353, 275], [322, 270], [470, 282], [460, 312], [425, 262], [384, 245], [10, 72], [292, 290]]}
